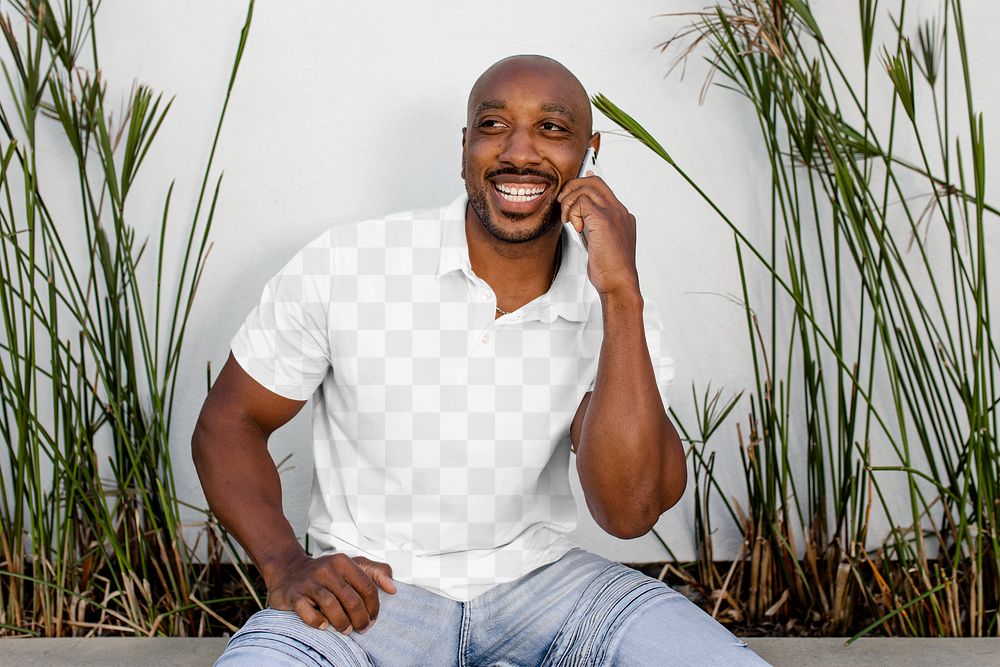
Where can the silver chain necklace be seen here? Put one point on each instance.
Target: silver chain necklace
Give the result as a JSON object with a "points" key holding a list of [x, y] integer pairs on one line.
{"points": [[558, 264]]}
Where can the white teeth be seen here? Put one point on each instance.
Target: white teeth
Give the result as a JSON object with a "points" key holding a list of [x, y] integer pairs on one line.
{"points": [[519, 194]]}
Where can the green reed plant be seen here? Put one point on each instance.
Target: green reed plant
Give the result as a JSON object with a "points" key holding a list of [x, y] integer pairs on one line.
{"points": [[91, 532], [843, 188]]}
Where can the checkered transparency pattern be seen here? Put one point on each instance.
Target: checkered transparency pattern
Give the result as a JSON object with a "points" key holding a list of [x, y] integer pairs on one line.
{"points": [[440, 434]]}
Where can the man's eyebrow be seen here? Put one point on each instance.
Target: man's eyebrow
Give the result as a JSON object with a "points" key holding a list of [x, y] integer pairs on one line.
{"points": [[554, 107], [486, 105]]}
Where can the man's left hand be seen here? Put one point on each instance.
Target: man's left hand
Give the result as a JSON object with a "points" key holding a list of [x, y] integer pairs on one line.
{"points": [[609, 230]]}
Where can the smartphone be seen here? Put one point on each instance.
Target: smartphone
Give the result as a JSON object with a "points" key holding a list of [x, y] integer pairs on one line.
{"points": [[589, 162]]}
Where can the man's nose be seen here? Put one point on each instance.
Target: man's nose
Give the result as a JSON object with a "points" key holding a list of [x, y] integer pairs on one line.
{"points": [[520, 149]]}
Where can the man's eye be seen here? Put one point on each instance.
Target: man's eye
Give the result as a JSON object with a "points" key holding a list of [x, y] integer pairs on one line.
{"points": [[553, 127], [491, 124]]}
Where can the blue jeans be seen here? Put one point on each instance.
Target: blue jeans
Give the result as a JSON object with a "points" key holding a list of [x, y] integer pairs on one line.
{"points": [[580, 610]]}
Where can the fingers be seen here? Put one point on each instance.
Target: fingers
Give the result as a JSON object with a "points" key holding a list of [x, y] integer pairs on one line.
{"points": [[571, 201], [357, 593], [353, 605], [335, 590], [382, 575], [332, 610], [594, 186], [309, 614], [582, 197], [577, 212]]}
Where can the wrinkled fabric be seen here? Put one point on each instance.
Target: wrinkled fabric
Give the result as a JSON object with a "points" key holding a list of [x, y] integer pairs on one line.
{"points": [[582, 610]]}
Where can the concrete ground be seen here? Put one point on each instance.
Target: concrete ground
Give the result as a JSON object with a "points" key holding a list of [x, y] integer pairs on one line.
{"points": [[778, 651]]}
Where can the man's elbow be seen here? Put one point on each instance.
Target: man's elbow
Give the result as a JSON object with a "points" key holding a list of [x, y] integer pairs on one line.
{"points": [[676, 485], [629, 533], [674, 480], [630, 530], [207, 425], [198, 443], [644, 520], [634, 526]]}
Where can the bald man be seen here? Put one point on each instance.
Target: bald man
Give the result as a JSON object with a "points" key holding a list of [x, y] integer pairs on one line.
{"points": [[457, 358]]}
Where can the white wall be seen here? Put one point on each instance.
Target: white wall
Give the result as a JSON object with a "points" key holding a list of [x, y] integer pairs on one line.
{"points": [[347, 110]]}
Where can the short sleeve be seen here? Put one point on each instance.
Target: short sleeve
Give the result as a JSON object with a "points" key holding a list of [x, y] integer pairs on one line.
{"points": [[659, 352], [284, 342]]}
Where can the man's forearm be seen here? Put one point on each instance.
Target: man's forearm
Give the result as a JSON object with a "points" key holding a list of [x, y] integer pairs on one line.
{"points": [[243, 489], [625, 460]]}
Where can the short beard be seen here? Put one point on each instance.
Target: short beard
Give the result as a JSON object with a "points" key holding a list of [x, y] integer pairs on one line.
{"points": [[551, 218]]}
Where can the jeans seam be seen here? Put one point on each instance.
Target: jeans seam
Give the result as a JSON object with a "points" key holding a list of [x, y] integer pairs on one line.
{"points": [[286, 634], [590, 630], [279, 643], [611, 585], [575, 631], [585, 657], [463, 637], [622, 617]]}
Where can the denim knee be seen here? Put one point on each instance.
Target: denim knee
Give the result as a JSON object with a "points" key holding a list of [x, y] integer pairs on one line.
{"points": [[624, 617], [276, 637]]}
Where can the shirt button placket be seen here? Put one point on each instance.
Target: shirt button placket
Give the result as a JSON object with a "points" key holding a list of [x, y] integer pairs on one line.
{"points": [[482, 344]]}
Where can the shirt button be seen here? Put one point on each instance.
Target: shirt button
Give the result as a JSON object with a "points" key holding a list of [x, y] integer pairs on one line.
{"points": [[486, 296], [485, 338]]}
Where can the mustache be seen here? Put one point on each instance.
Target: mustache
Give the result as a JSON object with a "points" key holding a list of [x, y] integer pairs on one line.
{"points": [[514, 171]]}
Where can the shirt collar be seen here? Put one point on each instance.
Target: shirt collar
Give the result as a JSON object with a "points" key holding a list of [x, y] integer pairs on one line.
{"points": [[454, 245], [567, 298]]}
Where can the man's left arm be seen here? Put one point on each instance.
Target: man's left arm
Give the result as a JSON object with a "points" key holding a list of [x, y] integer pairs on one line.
{"points": [[629, 455]]}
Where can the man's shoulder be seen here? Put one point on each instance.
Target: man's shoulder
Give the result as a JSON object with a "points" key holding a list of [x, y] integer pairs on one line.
{"points": [[416, 227], [436, 213]]}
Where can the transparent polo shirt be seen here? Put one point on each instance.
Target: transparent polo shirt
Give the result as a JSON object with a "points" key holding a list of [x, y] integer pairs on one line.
{"points": [[440, 434]]}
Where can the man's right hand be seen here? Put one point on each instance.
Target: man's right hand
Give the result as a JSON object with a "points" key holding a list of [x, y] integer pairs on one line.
{"points": [[242, 487], [335, 590]]}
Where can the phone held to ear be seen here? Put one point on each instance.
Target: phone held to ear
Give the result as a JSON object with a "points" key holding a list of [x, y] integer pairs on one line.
{"points": [[589, 162]]}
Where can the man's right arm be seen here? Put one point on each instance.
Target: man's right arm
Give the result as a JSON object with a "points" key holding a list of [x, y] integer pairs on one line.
{"points": [[243, 489], [239, 478]]}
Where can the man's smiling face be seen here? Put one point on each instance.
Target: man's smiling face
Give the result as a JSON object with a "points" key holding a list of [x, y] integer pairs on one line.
{"points": [[529, 123]]}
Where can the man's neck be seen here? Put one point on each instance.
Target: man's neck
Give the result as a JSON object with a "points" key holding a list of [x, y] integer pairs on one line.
{"points": [[517, 272]]}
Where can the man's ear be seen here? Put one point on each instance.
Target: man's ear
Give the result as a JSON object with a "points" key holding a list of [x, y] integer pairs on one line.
{"points": [[463, 154], [595, 142]]}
